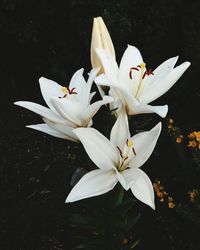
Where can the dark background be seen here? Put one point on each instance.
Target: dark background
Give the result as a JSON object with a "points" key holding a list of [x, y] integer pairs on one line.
{"points": [[52, 39]]}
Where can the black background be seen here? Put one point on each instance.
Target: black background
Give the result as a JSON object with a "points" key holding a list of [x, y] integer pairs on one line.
{"points": [[52, 39]]}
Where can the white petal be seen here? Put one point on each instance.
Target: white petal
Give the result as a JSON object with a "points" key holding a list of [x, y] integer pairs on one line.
{"points": [[145, 109], [69, 108], [159, 74], [86, 93], [127, 177], [120, 131], [48, 130], [116, 105], [64, 129], [131, 58], [144, 144], [143, 189], [77, 81], [94, 107], [158, 88], [109, 64], [102, 80], [98, 147], [41, 110], [94, 183], [168, 64], [134, 107], [50, 89]]}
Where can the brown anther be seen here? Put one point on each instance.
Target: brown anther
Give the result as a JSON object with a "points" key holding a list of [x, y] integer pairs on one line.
{"points": [[71, 91], [125, 158], [130, 72], [120, 152], [133, 150], [148, 72]]}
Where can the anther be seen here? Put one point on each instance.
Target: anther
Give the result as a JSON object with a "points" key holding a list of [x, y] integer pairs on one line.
{"points": [[133, 150], [120, 152], [130, 72], [148, 72]]}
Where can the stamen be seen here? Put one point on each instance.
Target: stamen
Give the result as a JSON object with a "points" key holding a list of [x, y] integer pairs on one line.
{"points": [[129, 143], [142, 65], [72, 91], [67, 90], [133, 150], [120, 152], [148, 72], [130, 72], [125, 158], [64, 90]]}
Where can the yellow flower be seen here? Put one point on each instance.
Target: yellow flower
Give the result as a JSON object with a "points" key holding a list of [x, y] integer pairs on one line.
{"points": [[193, 194], [192, 144], [100, 39], [198, 136], [192, 135], [179, 139], [171, 205]]}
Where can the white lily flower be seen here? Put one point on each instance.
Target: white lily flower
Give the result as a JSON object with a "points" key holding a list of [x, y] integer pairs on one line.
{"points": [[119, 159], [134, 85], [69, 107], [100, 39]]}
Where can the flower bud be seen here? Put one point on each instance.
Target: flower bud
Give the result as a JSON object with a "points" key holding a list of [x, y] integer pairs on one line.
{"points": [[100, 39]]}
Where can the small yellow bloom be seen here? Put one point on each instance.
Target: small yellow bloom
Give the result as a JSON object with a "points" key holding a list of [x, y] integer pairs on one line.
{"points": [[193, 194], [171, 121], [198, 136], [179, 139], [170, 126], [192, 135], [192, 144], [171, 205]]}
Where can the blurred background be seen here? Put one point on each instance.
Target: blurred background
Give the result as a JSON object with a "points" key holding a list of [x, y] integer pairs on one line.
{"points": [[52, 39]]}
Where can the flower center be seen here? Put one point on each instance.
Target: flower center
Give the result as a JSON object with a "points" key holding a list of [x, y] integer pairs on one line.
{"points": [[67, 91], [143, 74], [126, 155]]}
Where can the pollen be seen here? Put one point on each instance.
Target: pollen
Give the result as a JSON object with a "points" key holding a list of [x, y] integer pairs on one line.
{"points": [[129, 143], [64, 90], [142, 65]]}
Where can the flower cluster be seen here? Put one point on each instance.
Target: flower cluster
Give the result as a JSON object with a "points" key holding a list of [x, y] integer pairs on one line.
{"points": [[162, 195], [194, 139], [174, 131], [131, 88], [193, 195]]}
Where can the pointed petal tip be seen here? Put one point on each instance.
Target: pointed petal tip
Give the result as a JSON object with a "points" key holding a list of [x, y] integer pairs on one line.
{"points": [[129, 46], [43, 80], [164, 111], [157, 128], [68, 200], [152, 206], [19, 103], [187, 64]]}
